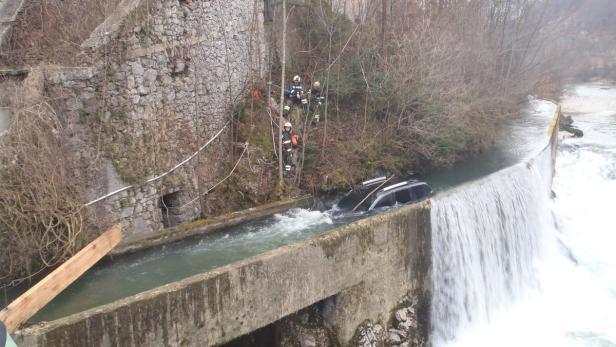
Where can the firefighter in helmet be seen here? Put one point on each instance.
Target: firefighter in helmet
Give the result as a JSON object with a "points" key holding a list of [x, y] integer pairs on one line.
{"points": [[290, 142], [295, 95], [316, 100]]}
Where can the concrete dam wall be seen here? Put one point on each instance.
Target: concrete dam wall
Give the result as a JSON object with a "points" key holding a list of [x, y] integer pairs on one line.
{"points": [[368, 266], [363, 269]]}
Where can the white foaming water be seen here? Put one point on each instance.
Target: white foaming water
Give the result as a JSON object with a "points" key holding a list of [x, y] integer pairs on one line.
{"points": [[590, 100], [485, 238], [299, 219], [564, 290]]}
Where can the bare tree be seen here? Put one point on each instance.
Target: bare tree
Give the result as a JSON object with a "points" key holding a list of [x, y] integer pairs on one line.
{"points": [[282, 81]]}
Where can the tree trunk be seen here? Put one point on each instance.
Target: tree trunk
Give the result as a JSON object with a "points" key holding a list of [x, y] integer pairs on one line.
{"points": [[282, 80], [325, 115], [383, 26], [269, 83]]}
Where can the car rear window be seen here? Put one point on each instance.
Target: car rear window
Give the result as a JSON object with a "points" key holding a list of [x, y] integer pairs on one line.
{"points": [[421, 192], [350, 200]]}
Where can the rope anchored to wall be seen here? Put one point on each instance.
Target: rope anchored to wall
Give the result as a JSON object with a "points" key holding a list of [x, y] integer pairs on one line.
{"points": [[221, 181], [156, 178]]}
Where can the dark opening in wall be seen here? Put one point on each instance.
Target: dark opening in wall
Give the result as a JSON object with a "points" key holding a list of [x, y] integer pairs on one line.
{"points": [[264, 337], [170, 207], [311, 326]]}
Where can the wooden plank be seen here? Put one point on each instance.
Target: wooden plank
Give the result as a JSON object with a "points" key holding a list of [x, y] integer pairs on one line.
{"points": [[554, 122], [13, 72], [49, 287]]}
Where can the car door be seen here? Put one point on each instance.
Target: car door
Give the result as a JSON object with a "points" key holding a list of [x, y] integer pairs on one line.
{"points": [[386, 200]]}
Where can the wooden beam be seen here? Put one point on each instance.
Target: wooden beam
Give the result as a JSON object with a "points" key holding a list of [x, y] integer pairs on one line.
{"points": [[555, 120], [49, 287], [13, 72]]}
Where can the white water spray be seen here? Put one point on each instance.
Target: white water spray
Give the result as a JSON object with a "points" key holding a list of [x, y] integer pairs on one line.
{"points": [[513, 268], [486, 237]]}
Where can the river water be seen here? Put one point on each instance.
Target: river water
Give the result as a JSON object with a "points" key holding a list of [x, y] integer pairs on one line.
{"points": [[516, 268], [135, 273]]}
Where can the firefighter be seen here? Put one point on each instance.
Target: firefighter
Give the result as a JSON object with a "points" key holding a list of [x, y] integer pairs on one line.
{"points": [[295, 95], [290, 141], [316, 100]]}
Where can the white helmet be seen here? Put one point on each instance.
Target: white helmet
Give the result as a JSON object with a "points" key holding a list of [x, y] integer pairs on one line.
{"points": [[297, 79], [316, 85], [287, 125]]}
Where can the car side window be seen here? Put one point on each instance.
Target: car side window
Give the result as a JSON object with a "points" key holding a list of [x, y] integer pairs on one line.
{"points": [[385, 201], [421, 191], [404, 196]]}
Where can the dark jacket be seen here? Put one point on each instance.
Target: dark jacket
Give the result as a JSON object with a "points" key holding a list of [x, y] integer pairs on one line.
{"points": [[315, 95], [286, 139], [290, 140], [296, 91]]}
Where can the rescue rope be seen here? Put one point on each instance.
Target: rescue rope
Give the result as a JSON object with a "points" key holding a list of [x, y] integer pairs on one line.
{"points": [[156, 178], [219, 182], [370, 194]]}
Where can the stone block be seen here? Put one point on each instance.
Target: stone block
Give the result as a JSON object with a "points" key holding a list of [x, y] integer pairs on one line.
{"points": [[142, 90], [137, 69]]}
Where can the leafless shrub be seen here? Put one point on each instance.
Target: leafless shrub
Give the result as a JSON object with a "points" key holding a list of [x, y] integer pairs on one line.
{"points": [[41, 210], [440, 76], [52, 31]]}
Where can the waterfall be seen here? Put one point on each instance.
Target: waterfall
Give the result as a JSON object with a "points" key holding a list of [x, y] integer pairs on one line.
{"points": [[486, 237]]}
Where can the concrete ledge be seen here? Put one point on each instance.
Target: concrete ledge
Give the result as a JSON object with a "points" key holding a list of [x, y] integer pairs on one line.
{"points": [[381, 258], [108, 30], [208, 226], [58, 74], [161, 47], [12, 72], [9, 9]]}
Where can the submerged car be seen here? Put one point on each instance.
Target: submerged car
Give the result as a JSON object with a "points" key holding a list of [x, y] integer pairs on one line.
{"points": [[379, 193]]}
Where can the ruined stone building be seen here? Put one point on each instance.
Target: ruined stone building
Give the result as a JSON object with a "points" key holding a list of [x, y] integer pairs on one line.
{"points": [[147, 89]]}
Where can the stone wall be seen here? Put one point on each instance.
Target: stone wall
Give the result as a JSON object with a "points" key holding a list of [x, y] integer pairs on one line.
{"points": [[365, 269], [166, 76]]}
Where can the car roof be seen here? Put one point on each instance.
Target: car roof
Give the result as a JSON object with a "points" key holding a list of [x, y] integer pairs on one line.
{"points": [[371, 183], [401, 185]]}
